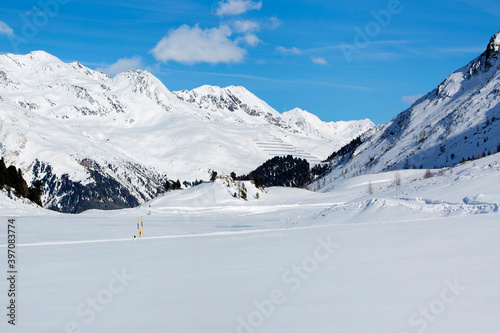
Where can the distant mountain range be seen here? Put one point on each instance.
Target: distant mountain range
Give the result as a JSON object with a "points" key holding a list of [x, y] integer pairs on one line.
{"points": [[102, 142]]}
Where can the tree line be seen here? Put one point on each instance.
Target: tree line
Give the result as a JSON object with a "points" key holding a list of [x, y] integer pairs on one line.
{"points": [[281, 171]]}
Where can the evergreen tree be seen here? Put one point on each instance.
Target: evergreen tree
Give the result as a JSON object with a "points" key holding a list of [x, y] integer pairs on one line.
{"points": [[35, 193], [243, 192], [25, 191], [3, 168], [257, 182], [11, 176], [319, 170], [213, 177]]}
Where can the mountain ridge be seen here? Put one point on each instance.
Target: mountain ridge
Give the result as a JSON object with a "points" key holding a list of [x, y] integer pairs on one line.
{"points": [[456, 121]]}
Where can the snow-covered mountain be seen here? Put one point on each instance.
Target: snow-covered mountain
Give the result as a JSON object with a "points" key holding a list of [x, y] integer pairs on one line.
{"points": [[460, 119], [103, 142], [240, 104], [235, 103], [312, 125]]}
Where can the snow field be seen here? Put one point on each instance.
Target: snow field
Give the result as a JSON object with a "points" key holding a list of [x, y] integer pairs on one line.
{"points": [[399, 260], [377, 276]]}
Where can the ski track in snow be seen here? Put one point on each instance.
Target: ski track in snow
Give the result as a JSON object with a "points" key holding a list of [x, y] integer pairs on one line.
{"points": [[223, 233]]}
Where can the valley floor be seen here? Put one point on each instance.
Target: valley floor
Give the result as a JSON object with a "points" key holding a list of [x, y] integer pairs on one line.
{"points": [[419, 257]]}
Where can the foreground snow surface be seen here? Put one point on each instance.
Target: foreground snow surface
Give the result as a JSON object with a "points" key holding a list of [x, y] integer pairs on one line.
{"points": [[419, 257]]}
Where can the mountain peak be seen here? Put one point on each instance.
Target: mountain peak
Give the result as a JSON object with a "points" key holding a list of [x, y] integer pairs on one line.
{"points": [[299, 115], [34, 57], [42, 55], [211, 90], [296, 111], [494, 44], [482, 64], [231, 99], [238, 89]]}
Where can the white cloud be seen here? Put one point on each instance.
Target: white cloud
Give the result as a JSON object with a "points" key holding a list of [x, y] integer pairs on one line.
{"points": [[194, 45], [250, 39], [292, 50], [5, 29], [237, 7], [410, 99], [319, 61], [245, 26], [275, 22], [122, 65]]}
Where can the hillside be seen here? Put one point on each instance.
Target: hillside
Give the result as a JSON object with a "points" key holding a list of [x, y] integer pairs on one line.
{"points": [[459, 120]]}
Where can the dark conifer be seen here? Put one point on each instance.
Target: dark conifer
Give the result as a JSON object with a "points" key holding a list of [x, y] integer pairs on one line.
{"points": [[213, 177]]}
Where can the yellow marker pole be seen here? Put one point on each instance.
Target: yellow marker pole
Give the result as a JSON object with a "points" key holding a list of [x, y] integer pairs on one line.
{"points": [[137, 227]]}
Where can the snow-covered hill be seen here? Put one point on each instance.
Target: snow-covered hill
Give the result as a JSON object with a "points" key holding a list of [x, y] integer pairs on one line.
{"points": [[102, 142], [458, 120]]}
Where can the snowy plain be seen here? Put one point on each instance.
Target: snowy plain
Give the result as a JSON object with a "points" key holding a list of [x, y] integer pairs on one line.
{"points": [[419, 257]]}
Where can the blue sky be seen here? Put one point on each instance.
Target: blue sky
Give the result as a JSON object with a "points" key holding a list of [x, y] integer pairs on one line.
{"points": [[340, 60]]}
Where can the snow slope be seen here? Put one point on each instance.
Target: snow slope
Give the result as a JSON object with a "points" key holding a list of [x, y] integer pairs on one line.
{"points": [[102, 142], [14, 206], [458, 120], [416, 257]]}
